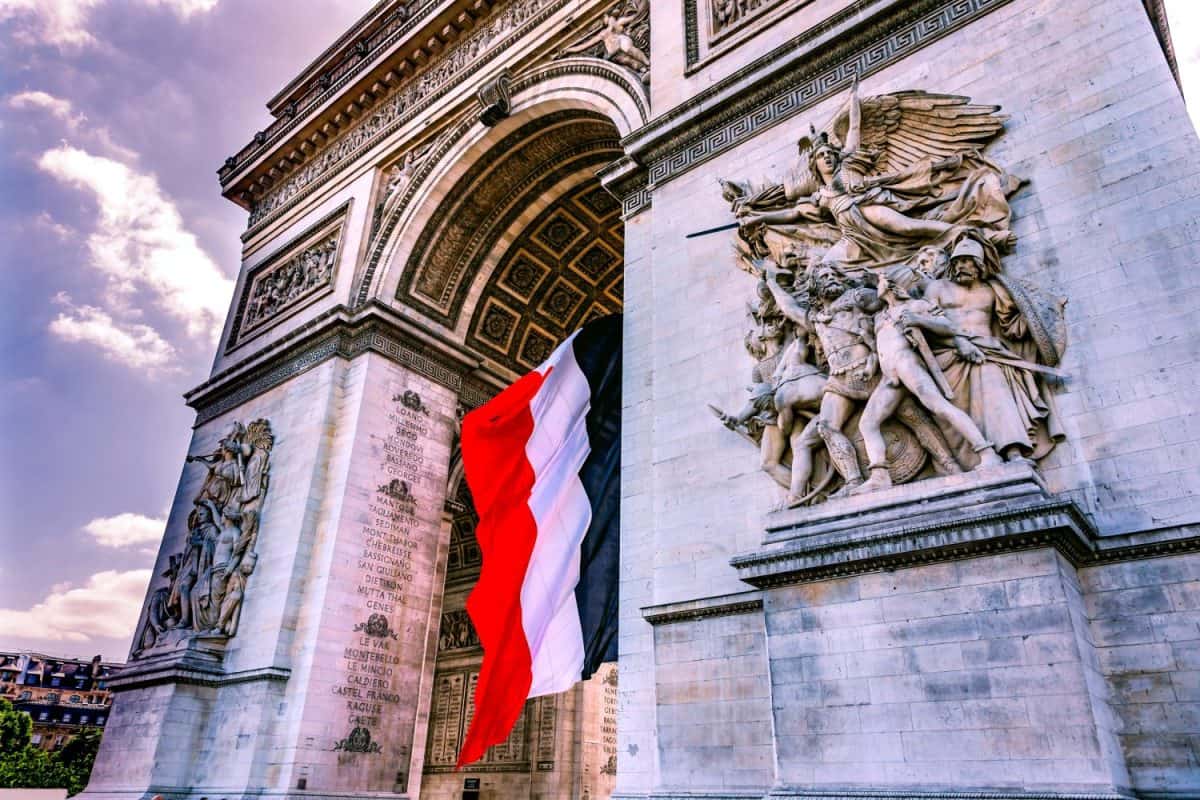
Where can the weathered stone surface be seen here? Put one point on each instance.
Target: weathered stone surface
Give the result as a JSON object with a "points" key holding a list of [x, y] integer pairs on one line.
{"points": [[999, 633]]}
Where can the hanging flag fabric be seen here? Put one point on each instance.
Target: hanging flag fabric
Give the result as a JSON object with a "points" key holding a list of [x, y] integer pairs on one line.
{"points": [[543, 462]]}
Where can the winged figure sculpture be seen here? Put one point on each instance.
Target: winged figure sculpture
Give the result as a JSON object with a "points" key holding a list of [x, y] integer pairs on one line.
{"points": [[885, 177]]}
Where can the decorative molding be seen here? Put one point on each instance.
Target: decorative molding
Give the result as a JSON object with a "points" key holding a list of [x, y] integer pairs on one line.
{"points": [[796, 76], [390, 219], [722, 36], [459, 235], [625, 180], [323, 239], [687, 611], [1051, 523], [495, 99], [1004, 509], [336, 333], [1157, 11], [193, 676], [867, 793], [461, 59], [402, 22], [1144, 550]]}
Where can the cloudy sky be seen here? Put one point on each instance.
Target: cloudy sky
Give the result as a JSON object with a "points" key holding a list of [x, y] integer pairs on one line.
{"points": [[119, 256]]}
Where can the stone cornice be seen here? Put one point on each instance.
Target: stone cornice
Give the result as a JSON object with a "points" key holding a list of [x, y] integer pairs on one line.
{"points": [[341, 54], [399, 87], [1047, 523], [860, 40], [1157, 11], [868, 793], [942, 519], [340, 332], [688, 610], [395, 45], [137, 679]]}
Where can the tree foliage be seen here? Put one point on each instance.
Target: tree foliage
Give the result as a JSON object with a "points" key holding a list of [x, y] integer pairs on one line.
{"points": [[24, 766]]}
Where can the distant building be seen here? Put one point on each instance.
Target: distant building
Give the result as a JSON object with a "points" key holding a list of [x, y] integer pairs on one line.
{"points": [[62, 695]]}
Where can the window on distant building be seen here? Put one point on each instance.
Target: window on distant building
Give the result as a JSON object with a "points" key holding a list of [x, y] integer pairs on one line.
{"points": [[84, 719], [66, 717], [76, 698], [43, 716], [52, 697], [25, 695], [100, 720], [56, 681]]}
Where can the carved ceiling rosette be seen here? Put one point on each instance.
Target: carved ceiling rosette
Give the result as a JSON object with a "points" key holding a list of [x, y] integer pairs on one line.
{"points": [[205, 581], [888, 341]]}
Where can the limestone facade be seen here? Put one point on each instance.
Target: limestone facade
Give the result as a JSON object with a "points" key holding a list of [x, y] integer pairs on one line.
{"points": [[453, 187]]}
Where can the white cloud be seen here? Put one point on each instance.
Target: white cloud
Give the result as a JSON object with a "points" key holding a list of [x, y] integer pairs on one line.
{"points": [[64, 22], [140, 242], [62, 110], [46, 222], [107, 606], [132, 344], [125, 530], [56, 106]]}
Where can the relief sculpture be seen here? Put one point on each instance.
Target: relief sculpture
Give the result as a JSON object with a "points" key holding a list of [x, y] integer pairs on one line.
{"points": [[286, 284], [622, 37], [889, 344], [206, 581]]}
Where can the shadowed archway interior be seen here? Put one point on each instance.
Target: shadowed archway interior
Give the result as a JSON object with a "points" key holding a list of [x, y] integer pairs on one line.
{"points": [[526, 242], [527, 247]]}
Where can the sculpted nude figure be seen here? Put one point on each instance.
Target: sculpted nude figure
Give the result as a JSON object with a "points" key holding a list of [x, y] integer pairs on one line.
{"points": [[905, 373]]}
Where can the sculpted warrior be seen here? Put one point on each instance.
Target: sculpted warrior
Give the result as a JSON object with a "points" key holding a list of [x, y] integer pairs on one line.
{"points": [[841, 320], [960, 356], [887, 175], [909, 370], [990, 361]]}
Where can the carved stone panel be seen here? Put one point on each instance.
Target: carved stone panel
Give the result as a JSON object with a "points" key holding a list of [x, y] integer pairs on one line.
{"points": [[887, 341], [205, 582], [303, 270], [457, 632], [621, 36], [452, 709]]}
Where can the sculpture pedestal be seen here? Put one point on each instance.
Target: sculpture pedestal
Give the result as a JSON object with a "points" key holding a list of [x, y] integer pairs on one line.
{"points": [[934, 635], [956, 516]]}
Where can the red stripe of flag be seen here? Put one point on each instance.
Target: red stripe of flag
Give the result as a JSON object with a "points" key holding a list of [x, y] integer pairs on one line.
{"points": [[501, 480]]}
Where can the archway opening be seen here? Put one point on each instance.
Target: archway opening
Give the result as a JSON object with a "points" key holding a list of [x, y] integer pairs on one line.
{"points": [[546, 257]]}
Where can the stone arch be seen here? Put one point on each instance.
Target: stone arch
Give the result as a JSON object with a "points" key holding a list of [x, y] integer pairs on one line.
{"points": [[577, 96]]}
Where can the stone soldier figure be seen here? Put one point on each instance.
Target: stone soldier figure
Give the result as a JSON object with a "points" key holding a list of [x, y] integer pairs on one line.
{"points": [[841, 321], [905, 373], [991, 366]]}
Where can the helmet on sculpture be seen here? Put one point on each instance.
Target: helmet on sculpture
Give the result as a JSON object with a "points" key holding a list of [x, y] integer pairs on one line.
{"points": [[968, 247]]}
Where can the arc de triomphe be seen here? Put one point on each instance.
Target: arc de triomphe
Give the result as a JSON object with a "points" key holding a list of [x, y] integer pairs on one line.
{"points": [[944, 547]]}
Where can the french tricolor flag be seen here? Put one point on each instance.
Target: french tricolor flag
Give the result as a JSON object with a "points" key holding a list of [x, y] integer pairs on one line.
{"points": [[543, 462]]}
